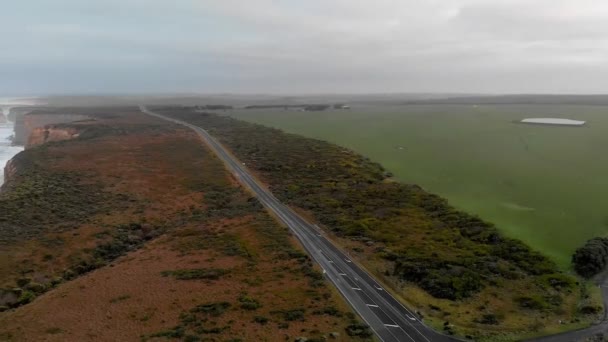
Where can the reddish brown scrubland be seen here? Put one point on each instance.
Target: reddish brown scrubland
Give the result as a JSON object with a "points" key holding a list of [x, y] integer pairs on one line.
{"points": [[129, 229]]}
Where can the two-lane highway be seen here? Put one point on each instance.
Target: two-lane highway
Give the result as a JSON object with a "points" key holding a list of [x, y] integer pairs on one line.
{"points": [[385, 315]]}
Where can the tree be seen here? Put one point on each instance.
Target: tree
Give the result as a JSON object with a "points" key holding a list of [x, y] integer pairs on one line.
{"points": [[591, 259]]}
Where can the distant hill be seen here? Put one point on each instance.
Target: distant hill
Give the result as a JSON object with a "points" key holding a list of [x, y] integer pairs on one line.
{"points": [[594, 100], [240, 100]]}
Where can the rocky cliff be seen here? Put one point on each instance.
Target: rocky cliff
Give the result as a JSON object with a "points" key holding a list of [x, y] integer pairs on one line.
{"points": [[19, 164], [25, 124], [49, 133], [34, 127], [10, 170]]}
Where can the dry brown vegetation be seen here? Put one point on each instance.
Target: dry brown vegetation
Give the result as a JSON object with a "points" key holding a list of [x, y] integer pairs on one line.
{"points": [[157, 242]]}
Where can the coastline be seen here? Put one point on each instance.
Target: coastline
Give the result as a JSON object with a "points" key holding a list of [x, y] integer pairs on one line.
{"points": [[7, 149]]}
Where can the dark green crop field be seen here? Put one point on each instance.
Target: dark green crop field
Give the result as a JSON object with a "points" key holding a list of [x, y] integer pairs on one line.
{"points": [[545, 185]]}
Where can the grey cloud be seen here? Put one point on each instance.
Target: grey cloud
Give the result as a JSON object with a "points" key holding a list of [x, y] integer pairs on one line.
{"points": [[313, 46]]}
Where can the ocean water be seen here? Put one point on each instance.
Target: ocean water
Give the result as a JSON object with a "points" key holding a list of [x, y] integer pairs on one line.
{"points": [[7, 151]]}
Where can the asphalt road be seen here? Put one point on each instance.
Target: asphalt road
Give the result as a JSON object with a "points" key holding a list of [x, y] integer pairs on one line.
{"points": [[386, 316]]}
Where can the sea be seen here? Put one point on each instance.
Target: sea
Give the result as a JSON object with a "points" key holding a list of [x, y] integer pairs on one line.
{"points": [[7, 150]]}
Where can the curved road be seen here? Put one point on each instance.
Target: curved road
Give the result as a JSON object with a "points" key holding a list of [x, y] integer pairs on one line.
{"points": [[386, 316]]}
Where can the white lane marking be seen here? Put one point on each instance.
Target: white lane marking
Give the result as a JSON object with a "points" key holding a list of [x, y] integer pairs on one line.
{"points": [[326, 257], [391, 325], [372, 305]]}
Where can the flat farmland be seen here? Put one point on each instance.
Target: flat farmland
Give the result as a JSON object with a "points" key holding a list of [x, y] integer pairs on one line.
{"points": [[545, 185]]}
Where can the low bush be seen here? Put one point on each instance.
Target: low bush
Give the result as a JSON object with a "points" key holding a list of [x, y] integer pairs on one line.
{"points": [[213, 309], [531, 303], [489, 319], [260, 320], [196, 273], [328, 310], [249, 303], [359, 330], [591, 258], [291, 315], [590, 310]]}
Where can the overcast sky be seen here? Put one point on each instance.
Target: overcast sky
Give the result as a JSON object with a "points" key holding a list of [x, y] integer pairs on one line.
{"points": [[303, 46]]}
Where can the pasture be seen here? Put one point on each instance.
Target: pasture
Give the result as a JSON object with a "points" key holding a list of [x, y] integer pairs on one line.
{"points": [[545, 185]]}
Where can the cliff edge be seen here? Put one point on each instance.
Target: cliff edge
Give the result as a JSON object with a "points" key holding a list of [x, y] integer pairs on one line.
{"points": [[26, 124], [50, 133]]}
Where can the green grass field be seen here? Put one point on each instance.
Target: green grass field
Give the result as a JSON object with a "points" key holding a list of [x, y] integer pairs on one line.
{"points": [[545, 185]]}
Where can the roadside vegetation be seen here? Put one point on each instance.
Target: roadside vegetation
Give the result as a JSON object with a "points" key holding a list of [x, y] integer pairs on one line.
{"points": [[458, 270], [533, 182]]}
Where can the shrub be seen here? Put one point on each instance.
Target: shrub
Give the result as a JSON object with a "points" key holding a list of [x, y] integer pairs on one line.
{"points": [[294, 315], [359, 330], [260, 320], [291, 315], [590, 310], [489, 319], [120, 299], [176, 332], [558, 281], [54, 331], [213, 309], [591, 259], [196, 273], [531, 303], [35, 287], [21, 282], [328, 310], [440, 280], [249, 303], [26, 297]]}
